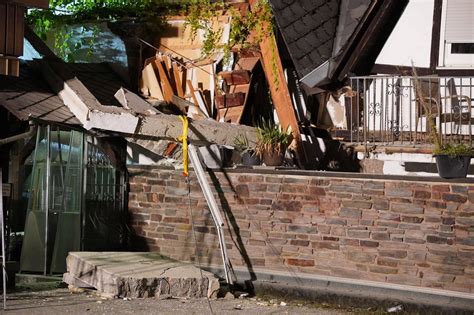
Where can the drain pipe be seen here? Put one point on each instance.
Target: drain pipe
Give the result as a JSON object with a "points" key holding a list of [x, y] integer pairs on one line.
{"points": [[20, 136], [211, 202]]}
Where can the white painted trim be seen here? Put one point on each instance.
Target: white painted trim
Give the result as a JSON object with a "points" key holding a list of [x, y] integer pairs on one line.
{"points": [[442, 33]]}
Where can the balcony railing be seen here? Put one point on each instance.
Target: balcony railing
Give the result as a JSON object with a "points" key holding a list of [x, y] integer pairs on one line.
{"points": [[388, 110]]}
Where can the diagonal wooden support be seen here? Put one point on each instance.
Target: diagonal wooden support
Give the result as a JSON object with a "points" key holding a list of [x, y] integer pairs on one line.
{"points": [[280, 93]]}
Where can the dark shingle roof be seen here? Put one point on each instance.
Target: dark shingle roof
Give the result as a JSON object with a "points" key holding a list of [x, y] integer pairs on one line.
{"points": [[29, 95], [327, 39], [309, 28], [99, 79]]}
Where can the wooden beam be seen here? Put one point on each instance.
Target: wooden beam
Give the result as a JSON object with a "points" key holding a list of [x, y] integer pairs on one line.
{"points": [[150, 81], [280, 93], [177, 79], [165, 82]]}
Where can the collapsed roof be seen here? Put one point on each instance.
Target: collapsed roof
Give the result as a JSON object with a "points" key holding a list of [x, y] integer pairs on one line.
{"points": [[329, 39]]}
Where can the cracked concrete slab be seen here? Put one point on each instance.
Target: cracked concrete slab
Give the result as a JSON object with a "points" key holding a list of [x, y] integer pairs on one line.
{"points": [[138, 274]]}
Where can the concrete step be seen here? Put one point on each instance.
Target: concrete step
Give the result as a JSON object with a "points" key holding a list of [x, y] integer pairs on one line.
{"points": [[138, 275]]}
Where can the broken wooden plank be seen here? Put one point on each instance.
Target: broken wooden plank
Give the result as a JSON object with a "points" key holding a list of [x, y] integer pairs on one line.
{"points": [[165, 82], [279, 90], [150, 81], [197, 98], [177, 79], [134, 103], [170, 148]]}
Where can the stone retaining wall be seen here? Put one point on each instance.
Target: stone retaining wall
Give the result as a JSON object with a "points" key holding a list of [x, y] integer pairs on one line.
{"points": [[387, 230]]}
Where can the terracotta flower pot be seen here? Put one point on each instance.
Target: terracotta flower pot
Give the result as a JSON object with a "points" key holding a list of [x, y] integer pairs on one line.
{"points": [[273, 158]]}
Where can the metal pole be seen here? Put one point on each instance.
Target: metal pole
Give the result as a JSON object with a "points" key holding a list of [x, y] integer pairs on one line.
{"points": [[48, 174], [4, 278], [211, 202], [85, 152]]}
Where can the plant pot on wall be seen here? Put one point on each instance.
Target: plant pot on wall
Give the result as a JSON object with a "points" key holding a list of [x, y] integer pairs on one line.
{"points": [[250, 159], [273, 158], [452, 166]]}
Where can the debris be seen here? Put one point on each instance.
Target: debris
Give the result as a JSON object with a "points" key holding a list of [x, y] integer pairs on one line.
{"points": [[243, 295], [395, 309], [238, 307], [165, 297], [74, 289], [229, 296], [282, 303]]}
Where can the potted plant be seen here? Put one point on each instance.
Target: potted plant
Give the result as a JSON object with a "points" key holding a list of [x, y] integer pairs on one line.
{"points": [[249, 157], [272, 143], [453, 159]]}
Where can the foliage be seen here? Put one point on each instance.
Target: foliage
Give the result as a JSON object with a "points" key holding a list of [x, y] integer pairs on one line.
{"points": [[62, 14], [453, 149], [271, 137], [202, 16], [241, 144]]}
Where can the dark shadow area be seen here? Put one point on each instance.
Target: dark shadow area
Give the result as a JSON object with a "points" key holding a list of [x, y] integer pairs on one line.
{"points": [[231, 221], [428, 167]]}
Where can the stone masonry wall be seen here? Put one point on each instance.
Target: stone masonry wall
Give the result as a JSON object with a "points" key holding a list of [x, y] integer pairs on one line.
{"points": [[387, 230]]}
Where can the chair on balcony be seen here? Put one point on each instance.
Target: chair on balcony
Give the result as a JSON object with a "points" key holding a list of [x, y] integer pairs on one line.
{"points": [[430, 104]]}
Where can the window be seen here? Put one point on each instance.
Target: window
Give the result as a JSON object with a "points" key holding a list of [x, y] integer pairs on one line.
{"points": [[457, 34]]}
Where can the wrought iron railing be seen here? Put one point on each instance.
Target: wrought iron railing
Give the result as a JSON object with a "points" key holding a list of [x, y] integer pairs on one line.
{"points": [[399, 110]]}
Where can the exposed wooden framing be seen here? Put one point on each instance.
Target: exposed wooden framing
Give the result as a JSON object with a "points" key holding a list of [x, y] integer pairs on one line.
{"points": [[150, 82], [177, 79], [4, 66], [165, 82], [280, 93], [191, 91], [435, 34]]}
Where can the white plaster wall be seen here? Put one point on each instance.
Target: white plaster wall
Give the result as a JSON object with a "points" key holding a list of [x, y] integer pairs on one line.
{"points": [[411, 38], [395, 163]]}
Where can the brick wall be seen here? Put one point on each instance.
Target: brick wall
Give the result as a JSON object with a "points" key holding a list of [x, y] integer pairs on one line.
{"points": [[397, 231]]}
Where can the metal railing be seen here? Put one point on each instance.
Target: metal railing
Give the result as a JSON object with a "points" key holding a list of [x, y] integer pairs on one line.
{"points": [[394, 110]]}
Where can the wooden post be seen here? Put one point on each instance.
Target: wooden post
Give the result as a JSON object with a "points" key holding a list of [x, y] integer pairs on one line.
{"points": [[280, 93]]}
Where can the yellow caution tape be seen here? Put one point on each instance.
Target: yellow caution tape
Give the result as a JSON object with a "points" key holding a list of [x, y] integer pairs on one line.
{"points": [[184, 139]]}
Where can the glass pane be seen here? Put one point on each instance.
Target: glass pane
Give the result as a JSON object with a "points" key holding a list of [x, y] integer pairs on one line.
{"points": [[38, 179]]}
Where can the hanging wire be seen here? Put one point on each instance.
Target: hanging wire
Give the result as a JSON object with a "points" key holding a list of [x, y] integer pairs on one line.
{"points": [[185, 65]]}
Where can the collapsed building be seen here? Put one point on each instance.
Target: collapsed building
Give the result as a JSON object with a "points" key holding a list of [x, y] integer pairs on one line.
{"points": [[87, 149]]}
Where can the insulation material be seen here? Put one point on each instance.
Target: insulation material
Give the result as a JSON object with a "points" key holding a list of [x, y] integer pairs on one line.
{"points": [[337, 112]]}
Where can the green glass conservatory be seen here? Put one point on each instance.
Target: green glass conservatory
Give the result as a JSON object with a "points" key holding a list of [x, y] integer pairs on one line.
{"points": [[76, 199]]}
